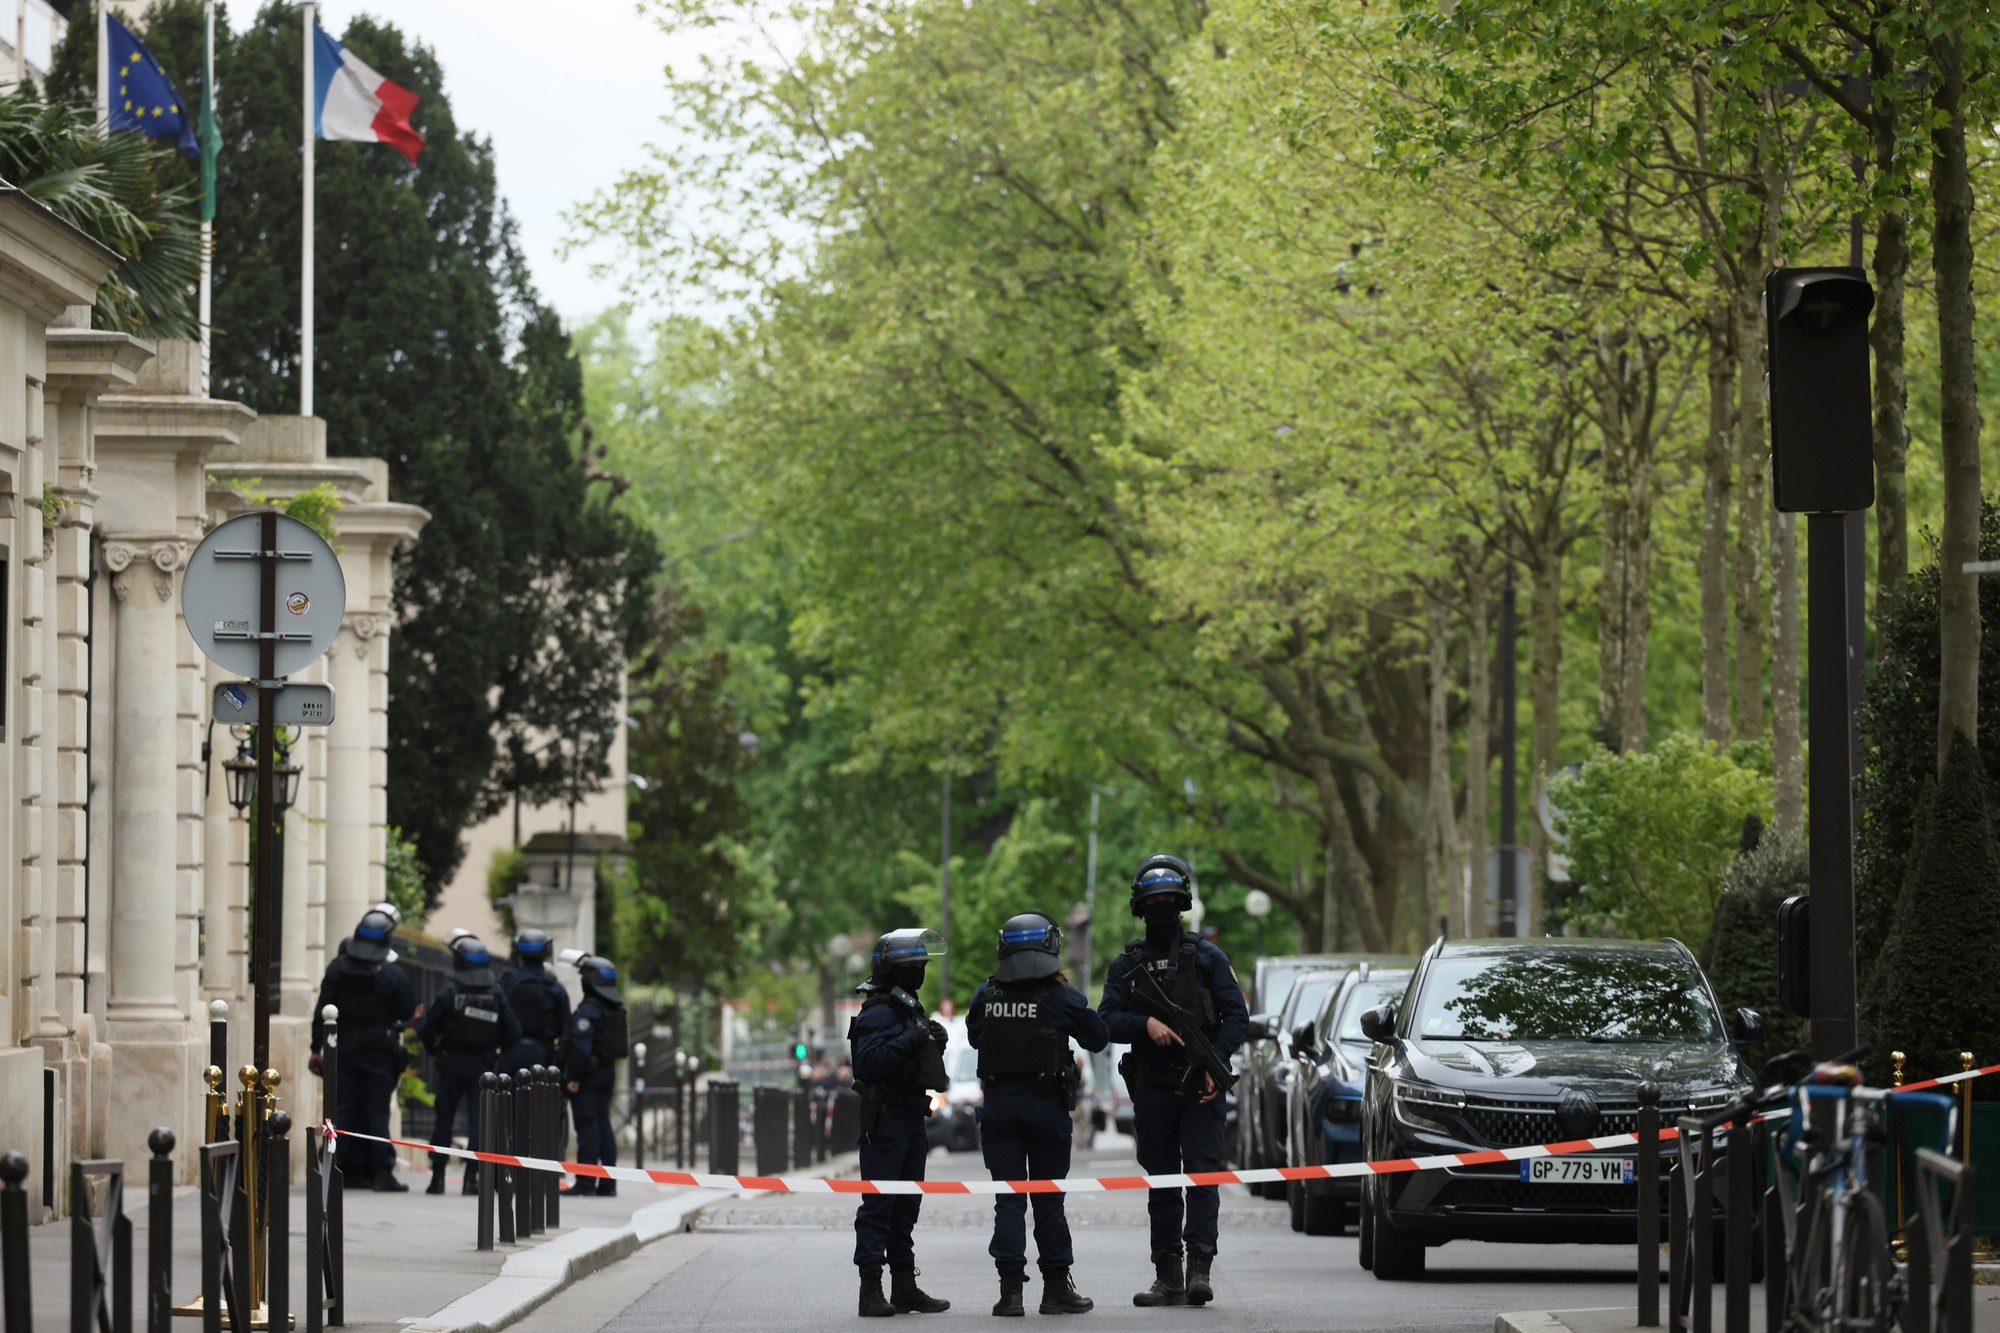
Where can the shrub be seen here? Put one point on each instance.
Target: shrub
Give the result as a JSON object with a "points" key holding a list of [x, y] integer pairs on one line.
{"points": [[1742, 955]]}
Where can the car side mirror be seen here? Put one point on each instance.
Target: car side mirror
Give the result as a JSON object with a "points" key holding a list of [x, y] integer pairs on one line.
{"points": [[1302, 1037], [1379, 1023], [1749, 1025], [1259, 1028]]}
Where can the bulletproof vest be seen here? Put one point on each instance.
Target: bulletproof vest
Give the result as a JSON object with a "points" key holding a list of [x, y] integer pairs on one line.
{"points": [[357, 989], [1017, 1040], [529, 999], [1177, 976], [610, 1034], [922, 1070], [475, 1019]]}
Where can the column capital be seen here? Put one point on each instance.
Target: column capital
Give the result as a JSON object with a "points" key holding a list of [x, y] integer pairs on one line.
{"points": [[363, 626], [130, 559]]}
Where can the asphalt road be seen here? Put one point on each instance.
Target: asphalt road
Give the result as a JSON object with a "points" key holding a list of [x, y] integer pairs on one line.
{"points": [[786, 1261]]}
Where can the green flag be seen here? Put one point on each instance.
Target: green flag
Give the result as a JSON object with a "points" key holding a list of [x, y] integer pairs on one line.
{"points": [[206, 133]]}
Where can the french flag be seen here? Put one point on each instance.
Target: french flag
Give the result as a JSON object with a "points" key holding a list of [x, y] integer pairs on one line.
{"points": [[352, 101]]}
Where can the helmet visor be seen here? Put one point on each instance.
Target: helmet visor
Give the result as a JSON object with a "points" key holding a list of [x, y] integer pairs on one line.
{"points": [[915, 944]]}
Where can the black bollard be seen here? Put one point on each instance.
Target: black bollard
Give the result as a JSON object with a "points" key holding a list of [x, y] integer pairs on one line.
{"points": [[225, 1268], [802, 1126], [100, 1252], [538, 1202], [500, 1139], [725, 1132], [1648, 1171], [160, 1232], [14, 1242], [278, 1219], [552, 1127], [486, 1083], [1740, 1216], [1777, 1305], [524, 1146]]}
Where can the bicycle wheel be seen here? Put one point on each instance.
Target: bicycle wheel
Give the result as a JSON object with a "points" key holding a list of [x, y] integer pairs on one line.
{"points": [[1867, 1292]]}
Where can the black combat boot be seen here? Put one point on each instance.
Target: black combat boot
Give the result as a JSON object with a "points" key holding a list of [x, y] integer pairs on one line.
{"points": [[607, 1189], [874, 1305], [1060, 1296], [1009, 1303], [909, 1298], [386, 1183], [1167, 1288], [470, 1185], [437, 1178], [1199, 1292]]}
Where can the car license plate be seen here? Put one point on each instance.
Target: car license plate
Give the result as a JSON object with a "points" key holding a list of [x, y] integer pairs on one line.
{"points": [[1577, 1170]]}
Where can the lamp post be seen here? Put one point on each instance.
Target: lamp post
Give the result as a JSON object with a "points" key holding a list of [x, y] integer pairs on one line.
{"points": [[241, 772], [1258, 904]]}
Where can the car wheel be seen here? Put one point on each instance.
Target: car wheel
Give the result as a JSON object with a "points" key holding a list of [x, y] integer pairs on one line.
{"points": [[1295, 1202], [1325, 1215], [1365, 1227], [1397, 1257]]}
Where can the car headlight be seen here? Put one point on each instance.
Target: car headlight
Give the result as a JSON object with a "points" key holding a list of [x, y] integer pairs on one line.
{"points": [[1421, 1105]]}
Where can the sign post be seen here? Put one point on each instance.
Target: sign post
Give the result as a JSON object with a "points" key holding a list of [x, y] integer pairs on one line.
{"points": [[263, 597]]}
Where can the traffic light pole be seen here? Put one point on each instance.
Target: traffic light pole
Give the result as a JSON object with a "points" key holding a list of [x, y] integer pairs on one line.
{"points": [[1830, 779]]}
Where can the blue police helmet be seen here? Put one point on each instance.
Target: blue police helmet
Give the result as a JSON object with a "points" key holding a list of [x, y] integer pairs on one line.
{"points": [[1160, 874], [370, 942], [1030, 948], [600, 978], [532, 944], [471, 962]]}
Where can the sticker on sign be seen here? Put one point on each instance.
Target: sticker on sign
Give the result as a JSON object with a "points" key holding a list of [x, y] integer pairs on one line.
{"points": [[1577, 1170]]}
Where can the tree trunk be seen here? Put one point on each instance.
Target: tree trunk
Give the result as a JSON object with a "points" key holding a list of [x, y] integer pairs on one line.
{"points": [[1715, 495], [1891, 267], [1639, 608], [1753, 602], [1478, 751], [1614, 582], [1445, 872], [1958, 416], [1545, 699]]}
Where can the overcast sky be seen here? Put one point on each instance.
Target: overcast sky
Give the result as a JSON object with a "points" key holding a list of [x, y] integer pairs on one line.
{"points": [[568, 93]]}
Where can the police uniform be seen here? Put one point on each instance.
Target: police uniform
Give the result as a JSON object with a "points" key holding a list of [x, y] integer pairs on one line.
{"points": [[1176, 1131], [590, 1056], [375, 1001], [540, 1002], [1021, 1029], [464, 1028], [898, 1061]]}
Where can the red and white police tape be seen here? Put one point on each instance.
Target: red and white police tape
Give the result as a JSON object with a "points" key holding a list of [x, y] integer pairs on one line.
{"points": [[1079, 1185]]}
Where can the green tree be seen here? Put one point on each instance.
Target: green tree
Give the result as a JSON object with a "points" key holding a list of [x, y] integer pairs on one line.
{"points": [[1742, 954]]}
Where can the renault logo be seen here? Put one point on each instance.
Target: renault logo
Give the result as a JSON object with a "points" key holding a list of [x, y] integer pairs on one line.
{"points": [[1576, 1113]]}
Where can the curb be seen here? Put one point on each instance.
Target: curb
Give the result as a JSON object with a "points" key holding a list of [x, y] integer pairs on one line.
{"points": [[531, 1276], [1537, 1321]]}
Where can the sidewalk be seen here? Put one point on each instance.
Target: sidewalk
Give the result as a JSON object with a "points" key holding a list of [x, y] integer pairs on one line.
{"points": [[1621, 1319], [410, 1258]]}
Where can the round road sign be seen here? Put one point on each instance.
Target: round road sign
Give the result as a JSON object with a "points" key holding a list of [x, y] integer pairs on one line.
{"points": [[222, 595]]}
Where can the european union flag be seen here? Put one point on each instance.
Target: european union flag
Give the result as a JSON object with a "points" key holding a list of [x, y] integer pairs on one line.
{"points": [[141, 97]]}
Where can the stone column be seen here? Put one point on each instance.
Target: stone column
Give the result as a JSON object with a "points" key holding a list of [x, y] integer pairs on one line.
{"points": [[297, 988], [351, 844]]}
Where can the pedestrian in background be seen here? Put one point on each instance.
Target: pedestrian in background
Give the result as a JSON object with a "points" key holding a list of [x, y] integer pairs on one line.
{"points": [[590, 1056], [539, 1001], [1021, 1022], [466, 1027], [375, 1001], [898, 1063]]}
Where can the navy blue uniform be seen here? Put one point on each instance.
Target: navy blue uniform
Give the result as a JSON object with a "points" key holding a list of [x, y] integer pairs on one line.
{"points": [[375, 1002], [1025, 1129], [591, 1052], [541, 1004], [888, 1037], [1176, 1132], [464, 1029]]}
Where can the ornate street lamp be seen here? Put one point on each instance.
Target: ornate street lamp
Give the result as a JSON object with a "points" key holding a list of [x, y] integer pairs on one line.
{"points": [[241, 771], [287, 772]]}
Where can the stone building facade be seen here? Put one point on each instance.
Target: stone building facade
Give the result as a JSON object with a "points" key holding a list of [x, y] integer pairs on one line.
{"points": [[123, 868]]}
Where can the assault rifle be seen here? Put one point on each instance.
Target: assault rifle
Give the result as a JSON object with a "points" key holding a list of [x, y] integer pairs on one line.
{"points": [[1201, 1056]]}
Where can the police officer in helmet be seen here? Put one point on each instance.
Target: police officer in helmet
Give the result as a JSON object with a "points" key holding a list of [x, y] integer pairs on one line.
{"points": [[898, 1062], [376, 1003], [538, 999], [1177, 1131], [590, 1056], [466, 1026], [1021, 1021]]}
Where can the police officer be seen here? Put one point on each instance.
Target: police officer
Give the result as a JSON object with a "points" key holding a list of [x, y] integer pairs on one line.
{"points": [[1177, 1131], [466, 1026], [376, 1003], [898, 1062], [538, 1000], [590, 1056], [1021, 1021]]}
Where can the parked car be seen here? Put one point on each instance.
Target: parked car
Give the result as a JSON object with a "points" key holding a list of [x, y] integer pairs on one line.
{"points": [[1270, 985], [1506, 1043], [1323, 1098], [1260, 1106], [953, 1120]]}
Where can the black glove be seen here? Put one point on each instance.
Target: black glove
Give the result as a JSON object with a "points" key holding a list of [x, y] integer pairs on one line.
{"points": [[938, 1034]]}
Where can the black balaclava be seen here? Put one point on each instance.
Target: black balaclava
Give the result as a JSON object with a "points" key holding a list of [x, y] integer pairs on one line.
{"points": [[910, 976], [1163, 923]]}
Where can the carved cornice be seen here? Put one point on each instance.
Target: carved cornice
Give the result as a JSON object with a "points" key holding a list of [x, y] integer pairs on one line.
{"points": [[131, 560]]}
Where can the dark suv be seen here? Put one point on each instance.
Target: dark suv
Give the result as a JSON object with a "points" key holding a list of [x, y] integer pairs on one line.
{"points": [[1507, 1043]]}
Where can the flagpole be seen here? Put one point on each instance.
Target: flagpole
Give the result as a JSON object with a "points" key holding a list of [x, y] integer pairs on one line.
{"points": [[306, 261], [104, 61], [206, 300]]}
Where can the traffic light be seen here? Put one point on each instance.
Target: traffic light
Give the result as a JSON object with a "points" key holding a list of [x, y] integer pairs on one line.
{"points": [[798, 1050], [1822, 420]]}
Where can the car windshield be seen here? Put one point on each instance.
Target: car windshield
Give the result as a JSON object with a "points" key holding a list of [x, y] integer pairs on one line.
{"points": [[1278, 980], [962, 1064], [1366, 995], [1305, 996], [1566, 994]]}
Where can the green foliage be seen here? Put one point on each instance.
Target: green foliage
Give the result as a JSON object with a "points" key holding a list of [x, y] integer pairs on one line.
{"points": [[52, 506], [403, 873], [1928, 996], [1742, 955], [1651, 835], [506, 871], [314, 506], [125, 191]]}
